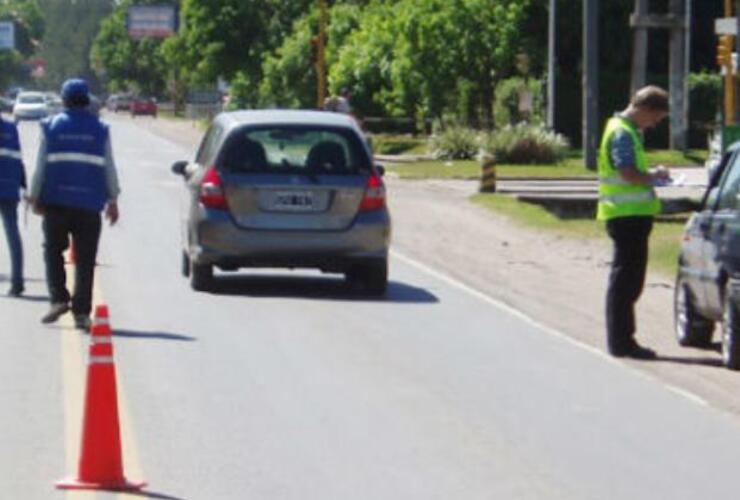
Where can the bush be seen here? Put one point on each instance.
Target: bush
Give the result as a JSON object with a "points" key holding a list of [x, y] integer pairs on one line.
{"points": [[525, 144], [454, 142]]}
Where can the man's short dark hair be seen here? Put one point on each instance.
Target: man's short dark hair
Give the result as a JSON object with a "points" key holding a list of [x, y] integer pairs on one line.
{"points": [[652, 98]]}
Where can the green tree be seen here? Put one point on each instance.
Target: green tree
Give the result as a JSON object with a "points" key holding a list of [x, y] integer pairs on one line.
{"points": [[289, 72], [421, 58], [124, 63], [29, 28], [226, 38], [71, 27]]}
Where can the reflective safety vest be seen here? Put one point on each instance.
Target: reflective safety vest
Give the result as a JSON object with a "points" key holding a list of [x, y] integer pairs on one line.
{"points": [[11, 162], [617, 197], [75, 161]]}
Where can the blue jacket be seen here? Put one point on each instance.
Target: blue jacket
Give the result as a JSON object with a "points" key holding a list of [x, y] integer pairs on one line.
{"points": [[75, 159], [12, 174]]}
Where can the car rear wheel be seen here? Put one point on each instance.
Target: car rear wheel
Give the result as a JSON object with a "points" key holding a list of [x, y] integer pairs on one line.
{"points": [[185, 266], [201, 276], [691, 328], [730, 334], [371, 277]]}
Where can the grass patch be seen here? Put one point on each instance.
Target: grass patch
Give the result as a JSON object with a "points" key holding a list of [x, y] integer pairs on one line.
{"points": [[572, 166], [664, 240], [387, 144]]}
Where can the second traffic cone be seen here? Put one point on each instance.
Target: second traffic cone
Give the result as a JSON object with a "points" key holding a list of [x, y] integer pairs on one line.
{"points": [[101, 462]]}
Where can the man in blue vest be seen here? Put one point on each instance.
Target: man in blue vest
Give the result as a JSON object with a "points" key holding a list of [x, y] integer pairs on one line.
{"points": [[12, 180], [75, 179], [628, 204]]}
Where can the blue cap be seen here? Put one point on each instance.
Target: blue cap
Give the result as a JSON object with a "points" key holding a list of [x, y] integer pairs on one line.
{"points": [[75, 87]]}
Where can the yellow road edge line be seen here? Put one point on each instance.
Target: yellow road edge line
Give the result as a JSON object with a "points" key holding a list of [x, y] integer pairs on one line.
{"points": [[74, 374]]}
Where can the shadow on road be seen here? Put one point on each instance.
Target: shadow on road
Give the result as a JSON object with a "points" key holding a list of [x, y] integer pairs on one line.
{"points": [[133, 334], [151, 494], [316, 288], [28, 298], [695, 361]]}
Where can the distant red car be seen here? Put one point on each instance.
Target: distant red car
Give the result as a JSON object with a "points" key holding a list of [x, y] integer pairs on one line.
{"points": [[144, 106]]}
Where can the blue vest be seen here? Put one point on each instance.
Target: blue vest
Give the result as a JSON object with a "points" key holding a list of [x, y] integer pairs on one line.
{"points": [[11, 164], [75, 161]]}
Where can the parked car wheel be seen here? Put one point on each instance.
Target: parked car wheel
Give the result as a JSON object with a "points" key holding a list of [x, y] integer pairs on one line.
{"points": [[730, 334], [691, 328], [201, 276], [185, 266], [371, 277]]}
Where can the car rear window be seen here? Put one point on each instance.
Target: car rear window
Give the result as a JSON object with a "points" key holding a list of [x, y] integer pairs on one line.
{"points": [[294, 150], [31, 99]]}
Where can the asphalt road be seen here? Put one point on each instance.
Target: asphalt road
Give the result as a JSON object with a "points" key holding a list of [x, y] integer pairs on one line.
{"points": [[285, 386]]}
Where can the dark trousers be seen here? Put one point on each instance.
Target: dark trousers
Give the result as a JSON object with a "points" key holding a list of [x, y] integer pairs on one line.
{"points": [[9, 212], [626, 279], [84, 227]]}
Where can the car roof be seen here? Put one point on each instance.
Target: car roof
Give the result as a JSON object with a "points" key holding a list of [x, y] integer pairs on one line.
{"points": [[31, 93], [233, 119]]}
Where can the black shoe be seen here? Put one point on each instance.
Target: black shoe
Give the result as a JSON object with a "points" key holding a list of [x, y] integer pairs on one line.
{"points": [[635, 352], [82, 322], [55, 311], [16, 291]]}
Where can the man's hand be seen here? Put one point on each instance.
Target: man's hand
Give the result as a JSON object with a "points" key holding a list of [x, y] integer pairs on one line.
{"points": [[36, 207], [111, 212]]}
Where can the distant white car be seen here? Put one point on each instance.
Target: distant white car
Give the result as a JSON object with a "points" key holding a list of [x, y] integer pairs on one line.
{"points": [[30, 106], [54, 103]]}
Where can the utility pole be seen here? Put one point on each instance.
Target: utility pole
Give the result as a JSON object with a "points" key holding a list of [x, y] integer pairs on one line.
{"points": [[552, 63], [590, 82], [639, 52], [321, 54], [678, 75]]}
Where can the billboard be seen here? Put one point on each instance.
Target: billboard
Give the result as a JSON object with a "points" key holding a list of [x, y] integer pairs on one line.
{"points": [[151, 21], [7, 35]]}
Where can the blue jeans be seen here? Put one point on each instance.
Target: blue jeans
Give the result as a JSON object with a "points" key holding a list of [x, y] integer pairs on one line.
{"points": [[9, 211]]}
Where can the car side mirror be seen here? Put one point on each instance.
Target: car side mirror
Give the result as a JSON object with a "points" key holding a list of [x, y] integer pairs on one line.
{"points": [[380, 169], [179, 167]]}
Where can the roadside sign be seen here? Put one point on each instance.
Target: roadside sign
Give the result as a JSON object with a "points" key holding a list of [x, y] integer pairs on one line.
{"points": [[7, 35], [204, 97], [151, 21], [725, 26]]}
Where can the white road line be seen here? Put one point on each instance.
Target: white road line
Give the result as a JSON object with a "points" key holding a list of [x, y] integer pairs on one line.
{"points": [[694, 398]]}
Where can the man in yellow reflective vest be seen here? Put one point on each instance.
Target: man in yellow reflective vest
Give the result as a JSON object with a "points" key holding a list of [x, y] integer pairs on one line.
{"points": [[628, 203]]}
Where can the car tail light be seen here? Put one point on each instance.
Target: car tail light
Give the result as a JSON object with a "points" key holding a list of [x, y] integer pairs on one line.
{"points": [[212, 190], [374, 198]]}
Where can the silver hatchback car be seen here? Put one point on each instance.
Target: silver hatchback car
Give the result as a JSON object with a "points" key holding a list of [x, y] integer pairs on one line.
{"points": [[287, 189]]}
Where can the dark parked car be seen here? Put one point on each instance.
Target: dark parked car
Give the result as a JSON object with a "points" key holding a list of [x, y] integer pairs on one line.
{"points": [[708, 283], [288, 189]]}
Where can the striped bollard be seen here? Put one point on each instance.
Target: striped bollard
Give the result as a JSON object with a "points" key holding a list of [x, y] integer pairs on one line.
{"points": [[488, 173]]}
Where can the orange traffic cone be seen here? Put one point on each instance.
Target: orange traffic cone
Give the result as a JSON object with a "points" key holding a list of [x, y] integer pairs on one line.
{"points": [[101, 464]]}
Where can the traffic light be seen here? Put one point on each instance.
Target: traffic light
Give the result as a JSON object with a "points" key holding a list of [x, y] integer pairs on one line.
{"points": [[724, 50]]}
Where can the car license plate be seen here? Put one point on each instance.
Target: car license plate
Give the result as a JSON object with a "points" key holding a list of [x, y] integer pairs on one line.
{"points": [[294, 201]]}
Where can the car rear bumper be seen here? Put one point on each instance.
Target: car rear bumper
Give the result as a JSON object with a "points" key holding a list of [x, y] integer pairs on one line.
{"points": [[218, 241], [29, 114]]}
